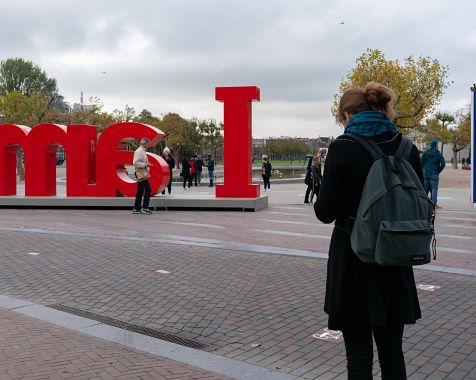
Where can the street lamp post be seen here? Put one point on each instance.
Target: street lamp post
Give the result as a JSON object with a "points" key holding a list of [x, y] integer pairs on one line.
{"points": [[473, 144]]}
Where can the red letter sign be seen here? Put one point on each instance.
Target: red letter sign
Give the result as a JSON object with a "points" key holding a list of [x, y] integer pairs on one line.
{"points": [[237, 142], [88, 174]]}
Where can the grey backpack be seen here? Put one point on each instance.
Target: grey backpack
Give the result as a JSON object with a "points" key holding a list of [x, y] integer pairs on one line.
{"points": [[394, 225]]}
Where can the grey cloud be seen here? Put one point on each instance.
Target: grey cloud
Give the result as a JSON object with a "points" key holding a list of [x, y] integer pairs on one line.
{"points": [[159, 54]]}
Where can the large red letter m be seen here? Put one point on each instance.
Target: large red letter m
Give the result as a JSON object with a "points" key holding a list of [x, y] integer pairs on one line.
{"points": [[39, 146]]}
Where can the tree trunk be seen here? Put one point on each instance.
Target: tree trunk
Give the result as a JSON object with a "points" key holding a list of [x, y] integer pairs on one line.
{"points": [[455, 158], [20, 168]]}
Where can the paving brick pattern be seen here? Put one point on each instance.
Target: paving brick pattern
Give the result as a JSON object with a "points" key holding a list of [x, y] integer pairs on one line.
{"points": [[37, 350], [229, 300], [239, 227]]}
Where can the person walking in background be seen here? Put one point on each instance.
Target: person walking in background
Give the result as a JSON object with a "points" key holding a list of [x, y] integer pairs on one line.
{"points": [[141, 167], [185, 173], [199, 167], [211, 169], [433, 164], [171, 162], [315, 176], [193, 170], [308, 179], [317, 173], [363, 299], [266, 170]]}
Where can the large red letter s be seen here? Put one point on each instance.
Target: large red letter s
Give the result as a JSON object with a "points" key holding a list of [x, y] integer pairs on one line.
{"points": [[111, 173], [237, 142]]}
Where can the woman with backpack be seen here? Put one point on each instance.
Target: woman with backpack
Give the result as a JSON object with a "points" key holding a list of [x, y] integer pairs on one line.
{"points": [[362, 299]]}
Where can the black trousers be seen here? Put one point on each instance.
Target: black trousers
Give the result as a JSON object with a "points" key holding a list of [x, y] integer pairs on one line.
{"points": [[187, 177], [314, 193], [308, 191], [359, 351], [266, 181], [169, 186], [143, 189]]}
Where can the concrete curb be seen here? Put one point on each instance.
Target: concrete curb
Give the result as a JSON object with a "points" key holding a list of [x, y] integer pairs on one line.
{"points": [[200, 359]]}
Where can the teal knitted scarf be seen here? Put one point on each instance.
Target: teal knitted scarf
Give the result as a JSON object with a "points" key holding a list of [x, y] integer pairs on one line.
{"points": [[369, 123]]}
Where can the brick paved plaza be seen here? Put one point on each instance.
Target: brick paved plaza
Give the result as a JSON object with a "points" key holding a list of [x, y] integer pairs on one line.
{"points": [[245, 286]]}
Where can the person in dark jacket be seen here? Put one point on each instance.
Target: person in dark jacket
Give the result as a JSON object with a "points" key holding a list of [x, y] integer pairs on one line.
{"points": [[171, 162], [186, 174], [364, 299], [211, 169], [199, 166], [315, 176], [308, 179], [433, 164], [266, 170]]}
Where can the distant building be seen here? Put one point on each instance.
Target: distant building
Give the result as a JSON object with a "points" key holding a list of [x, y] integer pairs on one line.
{"points": [[60, 105], [82, 107]]}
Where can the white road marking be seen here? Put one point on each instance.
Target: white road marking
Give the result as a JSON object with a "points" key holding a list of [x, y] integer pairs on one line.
{"points": [[461, 237], [455, 226], [162, 271], [284, 213], [289, 208], [326, 334], [313, 224], [457, 212], [192, 224], [455, 250], [429, 288], [300, 234], [454, 217], [33, 253]]}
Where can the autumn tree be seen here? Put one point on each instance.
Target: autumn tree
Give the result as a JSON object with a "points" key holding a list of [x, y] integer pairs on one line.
{"points": [[419, 84], [16, 108], [181, 135], [93, 114], [286, 147], [25, 77], [447, 128], [460, 136], [212, 135], [146, 117]]}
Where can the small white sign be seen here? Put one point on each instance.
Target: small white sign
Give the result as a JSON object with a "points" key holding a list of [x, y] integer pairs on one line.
{"points": [[428, 288], [33, 253], [162, 271], [326, 334]]}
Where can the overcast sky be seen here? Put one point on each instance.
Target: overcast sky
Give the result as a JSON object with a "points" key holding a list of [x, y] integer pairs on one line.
{"points": [[168, 56]]}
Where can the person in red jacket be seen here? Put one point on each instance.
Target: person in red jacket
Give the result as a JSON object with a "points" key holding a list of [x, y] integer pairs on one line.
{"points": [[193, 169]]}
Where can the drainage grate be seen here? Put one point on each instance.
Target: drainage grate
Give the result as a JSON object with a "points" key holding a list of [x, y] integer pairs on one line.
{"points": [[130, 326]]}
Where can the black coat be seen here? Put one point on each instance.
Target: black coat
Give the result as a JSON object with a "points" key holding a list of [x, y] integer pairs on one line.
{"points": [[266, 169], [185, 167], [170, 161], [360, 294]]}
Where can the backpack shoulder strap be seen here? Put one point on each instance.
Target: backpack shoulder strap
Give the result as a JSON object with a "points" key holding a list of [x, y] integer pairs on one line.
{"points": [[404, 149], [369, 145]]}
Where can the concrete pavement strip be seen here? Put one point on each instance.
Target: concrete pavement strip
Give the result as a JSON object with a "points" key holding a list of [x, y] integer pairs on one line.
{"points": [[229, 245], [200, 359]]}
